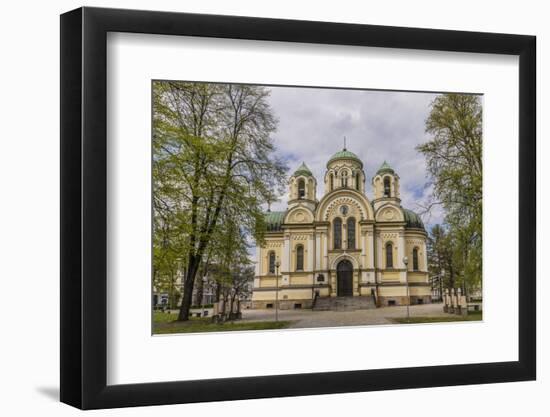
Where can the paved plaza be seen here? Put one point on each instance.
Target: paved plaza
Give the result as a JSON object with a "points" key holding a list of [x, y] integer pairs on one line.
{"points": [[307, 318]]}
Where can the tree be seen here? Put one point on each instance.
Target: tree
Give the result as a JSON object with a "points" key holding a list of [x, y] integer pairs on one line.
{"points": [[213, 154], [454, 162], [166, 257], [232, 257], [440, 255], [234, 285]]}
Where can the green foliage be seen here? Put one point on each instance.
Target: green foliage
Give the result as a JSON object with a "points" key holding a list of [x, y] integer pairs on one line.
{"points": [[200, 325], [213, 168], [160, 317], [454, 161], [203, 306], [475, 316]]}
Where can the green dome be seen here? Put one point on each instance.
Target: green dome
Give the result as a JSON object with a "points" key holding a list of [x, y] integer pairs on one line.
{"points": [[344, 154], [412, 219], [385, 168], [274, 220], [302, 170]]}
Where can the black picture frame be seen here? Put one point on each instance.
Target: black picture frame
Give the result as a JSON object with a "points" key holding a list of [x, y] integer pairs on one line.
{"points": [[84, 207]]}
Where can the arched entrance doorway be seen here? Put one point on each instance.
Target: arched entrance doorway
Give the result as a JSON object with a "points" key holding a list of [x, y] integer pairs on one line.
{"points": [[344, 278]]}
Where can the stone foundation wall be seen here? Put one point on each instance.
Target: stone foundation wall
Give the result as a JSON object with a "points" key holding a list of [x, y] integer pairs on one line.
{"points": [[402, 300], [385, 301], [283, 304], [421, 299], [392, 300]]}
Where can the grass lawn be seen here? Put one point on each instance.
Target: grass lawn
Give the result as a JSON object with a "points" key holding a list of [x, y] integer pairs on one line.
{"points": [[164, 323], [476, 316], [160, 317]]}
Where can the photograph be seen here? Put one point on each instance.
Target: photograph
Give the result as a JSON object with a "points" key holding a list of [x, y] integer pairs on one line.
{"points": [[244, 208], [285, 207]]}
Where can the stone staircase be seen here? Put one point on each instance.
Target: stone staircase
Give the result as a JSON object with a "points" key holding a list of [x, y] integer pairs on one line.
{"points": [[343, 303]]}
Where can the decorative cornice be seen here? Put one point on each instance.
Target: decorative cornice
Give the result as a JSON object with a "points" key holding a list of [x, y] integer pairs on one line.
{"points": [[403, 284], [390, 199], [291, 287], [300, 200], [344, 250], [392, 224], [302, 236], [296, 225], [278, 233]]}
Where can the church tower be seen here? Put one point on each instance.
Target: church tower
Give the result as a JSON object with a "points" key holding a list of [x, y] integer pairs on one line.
{"points": [[386, 186], [344, 170], [303, 187]]}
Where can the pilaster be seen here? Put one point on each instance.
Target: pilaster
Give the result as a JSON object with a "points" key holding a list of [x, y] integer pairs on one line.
{"points": [[317, 251]]}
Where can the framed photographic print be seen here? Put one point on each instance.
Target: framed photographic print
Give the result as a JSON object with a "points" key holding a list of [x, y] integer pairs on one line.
{"points": [[258, 208]]}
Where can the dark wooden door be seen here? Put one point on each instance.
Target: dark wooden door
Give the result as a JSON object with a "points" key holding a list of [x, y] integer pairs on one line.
{"points": [[344, 277]]}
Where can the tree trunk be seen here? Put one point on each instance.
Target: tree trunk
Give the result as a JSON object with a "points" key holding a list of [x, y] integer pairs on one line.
{"points": [[200, 287], [231, 304], [188, 288], [224, 304], [171, 292], [451, 277]]}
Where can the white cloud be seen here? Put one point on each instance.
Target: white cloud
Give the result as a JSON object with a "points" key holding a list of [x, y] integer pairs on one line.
{"points": [[378, 125]]}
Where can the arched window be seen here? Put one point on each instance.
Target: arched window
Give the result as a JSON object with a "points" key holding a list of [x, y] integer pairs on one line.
{"points": [[415, 259], [389, 255], [351, 233], [337, 228], [344, 178], [271, 262], [299, 258], [331, 179], [387, 187], [301, 188], [357, 179]]}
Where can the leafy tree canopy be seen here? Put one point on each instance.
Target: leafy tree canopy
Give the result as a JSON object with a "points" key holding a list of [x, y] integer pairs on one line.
{"points": [[454, 162], [213, 165]]}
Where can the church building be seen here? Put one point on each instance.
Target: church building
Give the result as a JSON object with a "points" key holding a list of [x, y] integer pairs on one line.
{"points": [[342, 246]]}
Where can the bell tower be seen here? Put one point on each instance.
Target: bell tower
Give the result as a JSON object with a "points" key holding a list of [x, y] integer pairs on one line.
{"points": [[302, 186], [386, 185], [344, 170]]}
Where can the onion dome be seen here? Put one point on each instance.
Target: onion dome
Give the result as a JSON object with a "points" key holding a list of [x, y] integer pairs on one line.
{"points": [[385, 168], [344, 154], [274, 220], [412, 220], [302, 170]]}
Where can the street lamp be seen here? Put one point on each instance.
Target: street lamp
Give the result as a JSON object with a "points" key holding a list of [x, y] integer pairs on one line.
{"points": [[277, 265], [406, 262]]}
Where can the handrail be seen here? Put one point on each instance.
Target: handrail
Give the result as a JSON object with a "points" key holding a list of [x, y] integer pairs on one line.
{"points": [[315, 295], [373, 294]]}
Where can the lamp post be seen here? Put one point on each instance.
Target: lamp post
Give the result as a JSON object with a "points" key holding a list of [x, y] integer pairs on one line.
{"points": [[277, 265], [406, 262]]}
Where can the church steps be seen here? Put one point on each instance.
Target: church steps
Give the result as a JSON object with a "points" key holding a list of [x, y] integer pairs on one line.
{"points": [[344, 303]]}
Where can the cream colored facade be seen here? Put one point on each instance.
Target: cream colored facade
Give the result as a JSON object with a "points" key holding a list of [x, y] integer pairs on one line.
{"points": [[342, 244]]}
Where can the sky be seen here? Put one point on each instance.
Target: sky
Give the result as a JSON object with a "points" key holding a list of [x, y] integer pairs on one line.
{"points": [[378, 126]]}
